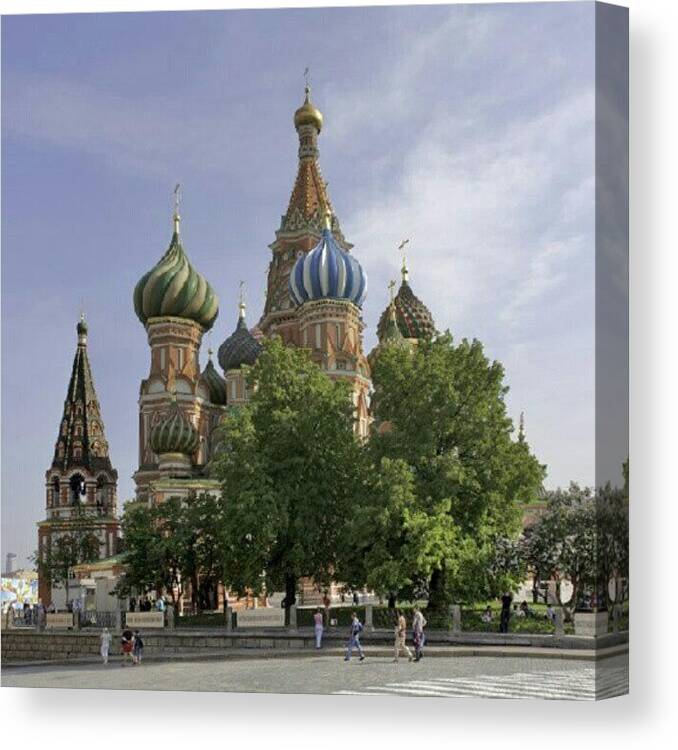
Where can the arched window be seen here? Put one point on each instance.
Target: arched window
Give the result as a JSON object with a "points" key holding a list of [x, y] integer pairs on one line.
{"points": [[101, 491], [56, 487], [78, 490]]}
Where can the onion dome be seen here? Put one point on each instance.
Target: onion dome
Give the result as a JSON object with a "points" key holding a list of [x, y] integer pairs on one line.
{"points": [[174, 434], [174, 288], [327, 272], [216, 385], [82, 328], [240, 348], [308, 114], [413, 318]]}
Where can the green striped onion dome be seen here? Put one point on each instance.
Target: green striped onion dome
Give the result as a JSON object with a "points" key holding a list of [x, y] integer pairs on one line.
{"points": [[216, 385], [413, 317], [174, 288], [174, 434]]}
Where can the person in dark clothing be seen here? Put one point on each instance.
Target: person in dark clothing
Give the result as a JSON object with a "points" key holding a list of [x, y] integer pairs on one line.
{"points": [[505, 612]]}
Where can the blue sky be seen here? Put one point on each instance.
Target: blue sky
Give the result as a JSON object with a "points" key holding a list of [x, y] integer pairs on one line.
{"points": [[469, 129]]}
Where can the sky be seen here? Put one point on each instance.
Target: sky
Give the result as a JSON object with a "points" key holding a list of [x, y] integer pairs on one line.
{"points": [[469, 129]]}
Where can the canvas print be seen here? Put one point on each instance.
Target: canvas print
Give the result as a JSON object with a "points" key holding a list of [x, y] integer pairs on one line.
{"points": [[315, 351]]}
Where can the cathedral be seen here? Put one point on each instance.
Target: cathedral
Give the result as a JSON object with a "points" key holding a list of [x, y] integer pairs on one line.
{"points": [[316, 287]]}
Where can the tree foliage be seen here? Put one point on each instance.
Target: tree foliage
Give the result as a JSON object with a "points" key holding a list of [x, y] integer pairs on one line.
{"points": [[582, 538], [77, 544], [441, 411], [290, 473]]}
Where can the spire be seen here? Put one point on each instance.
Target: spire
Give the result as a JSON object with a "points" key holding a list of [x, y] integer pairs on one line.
{"points": [[404, 271], [241, 302], [521, 428], [81, 441], [309, 200], [176, 218]]}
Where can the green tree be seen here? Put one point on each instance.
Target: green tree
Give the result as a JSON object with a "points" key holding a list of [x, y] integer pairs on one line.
{"points": [[154, 546], [290, 472], [77, 544], [200, 535], [440, 409], [582, 538], [391, 544]]}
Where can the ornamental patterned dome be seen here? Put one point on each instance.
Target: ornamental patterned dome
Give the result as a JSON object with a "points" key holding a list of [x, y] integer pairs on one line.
{"points": [[216, 385], [174, 434], [327, 272], [413, 317], [240, 348], [174, 288]]}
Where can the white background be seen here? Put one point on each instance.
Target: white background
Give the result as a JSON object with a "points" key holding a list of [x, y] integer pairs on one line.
{"points": [[646, 718]]}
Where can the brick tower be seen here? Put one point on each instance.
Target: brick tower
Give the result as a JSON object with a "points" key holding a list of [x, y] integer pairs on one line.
{"points": [[81, 483]]}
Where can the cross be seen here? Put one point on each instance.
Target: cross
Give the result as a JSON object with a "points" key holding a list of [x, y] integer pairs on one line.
{"points": [[177, 197], [401, 248], [241, 286], [391, 287], [306, 78]]}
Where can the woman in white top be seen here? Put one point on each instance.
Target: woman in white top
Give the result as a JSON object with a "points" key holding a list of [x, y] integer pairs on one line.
{"points": [[105, 644]]}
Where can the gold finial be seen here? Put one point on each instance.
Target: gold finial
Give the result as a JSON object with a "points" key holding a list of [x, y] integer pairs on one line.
{"points": [[241, 300], [307, 114], [404, 270], [209, 354], [177, 200]]}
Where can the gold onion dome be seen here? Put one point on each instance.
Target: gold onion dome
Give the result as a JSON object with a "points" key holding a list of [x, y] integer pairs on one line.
{"points": [[174, 434], [216, 385], [308, 114], [174, 288]]}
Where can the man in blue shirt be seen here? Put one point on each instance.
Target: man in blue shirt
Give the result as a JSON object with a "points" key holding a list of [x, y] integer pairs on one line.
{"points": [[354, 640]]}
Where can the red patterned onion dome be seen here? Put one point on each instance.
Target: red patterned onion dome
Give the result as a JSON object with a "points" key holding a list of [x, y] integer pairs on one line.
{"points": [[414, 319]]}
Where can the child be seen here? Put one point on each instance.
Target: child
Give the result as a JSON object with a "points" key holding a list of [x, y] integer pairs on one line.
{"points": [[138, 648]]}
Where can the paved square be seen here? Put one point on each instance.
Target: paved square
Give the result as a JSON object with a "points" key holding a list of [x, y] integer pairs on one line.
{"points": [[507, 677]]}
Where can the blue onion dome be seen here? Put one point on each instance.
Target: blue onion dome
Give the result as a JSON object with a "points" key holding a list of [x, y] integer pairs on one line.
{"points": [[414, 319], [174, 434], [241, 347], [216, 385], [174, 288], [327, 272]]}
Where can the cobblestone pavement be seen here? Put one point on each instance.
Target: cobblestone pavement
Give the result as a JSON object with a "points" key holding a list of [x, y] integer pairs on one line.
{"points": [[506, 677]]}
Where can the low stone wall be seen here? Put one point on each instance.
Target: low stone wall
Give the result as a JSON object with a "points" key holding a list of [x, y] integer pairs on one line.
{"points": [[24, 646]]}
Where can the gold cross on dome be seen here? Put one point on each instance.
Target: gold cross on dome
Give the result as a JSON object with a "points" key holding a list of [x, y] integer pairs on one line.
{"points": [[391, 287]]}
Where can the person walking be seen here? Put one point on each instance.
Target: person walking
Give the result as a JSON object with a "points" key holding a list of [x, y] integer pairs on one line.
{"points": [[418, 637], [105, 639], [401, 636], [318, 627], [354, 640], [127, 644], [505, 615], [137, 648]]}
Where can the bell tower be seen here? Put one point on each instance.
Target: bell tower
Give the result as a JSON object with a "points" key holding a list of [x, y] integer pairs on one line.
{"points": [[81, 483]]}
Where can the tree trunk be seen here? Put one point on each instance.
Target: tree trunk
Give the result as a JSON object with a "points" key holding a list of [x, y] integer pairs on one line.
{"points": [[391, 601], [438, 597]]}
